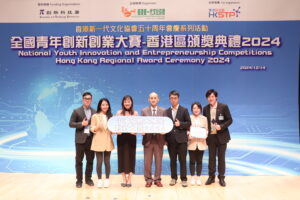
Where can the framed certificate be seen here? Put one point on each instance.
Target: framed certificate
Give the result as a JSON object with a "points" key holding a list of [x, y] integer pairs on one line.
{"points": [[198, 132]]}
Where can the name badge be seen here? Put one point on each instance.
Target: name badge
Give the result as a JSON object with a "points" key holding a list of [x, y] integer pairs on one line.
{"points": [[221, 117], [87, 130]]}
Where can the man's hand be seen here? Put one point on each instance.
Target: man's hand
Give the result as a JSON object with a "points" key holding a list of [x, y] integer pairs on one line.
{"points": [[177, 122], [85, 122], [218, 127]]}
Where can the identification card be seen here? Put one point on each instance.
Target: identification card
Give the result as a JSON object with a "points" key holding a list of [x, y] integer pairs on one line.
{"points": [[221, 118], [87, 130]]}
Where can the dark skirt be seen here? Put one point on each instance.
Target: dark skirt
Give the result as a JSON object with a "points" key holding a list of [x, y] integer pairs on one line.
{"points": [[126, 153]]}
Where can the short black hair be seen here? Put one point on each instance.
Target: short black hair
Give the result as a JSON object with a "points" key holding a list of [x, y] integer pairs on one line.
{"points": [[198, 104], [211, 91], [174, 92], [87, 93]]}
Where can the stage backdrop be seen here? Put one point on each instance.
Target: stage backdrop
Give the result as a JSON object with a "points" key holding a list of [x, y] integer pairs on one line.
{"points": [[53, 51]]}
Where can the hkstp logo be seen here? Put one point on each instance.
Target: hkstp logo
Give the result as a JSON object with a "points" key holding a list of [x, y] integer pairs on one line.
{"points": [[223, 13], [126, 12]]}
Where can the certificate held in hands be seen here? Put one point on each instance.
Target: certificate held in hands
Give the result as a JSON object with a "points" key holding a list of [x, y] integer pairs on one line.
{"points": [[198, 132]]}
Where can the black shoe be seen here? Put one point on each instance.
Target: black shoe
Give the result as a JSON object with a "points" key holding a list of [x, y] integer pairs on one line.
{"points": [[78, 184], [89, 182], [123, 184], [128, 185], [210, 180], [222, 182]]}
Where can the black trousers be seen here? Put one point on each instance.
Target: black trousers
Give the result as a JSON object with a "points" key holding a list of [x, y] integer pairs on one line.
{"points": [[216, 149], [178, 150], [196, 157], [106, 155], [82, 149]]}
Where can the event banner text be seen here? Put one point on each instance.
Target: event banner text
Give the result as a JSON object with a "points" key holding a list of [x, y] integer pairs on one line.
{"points": [[111, 49]]}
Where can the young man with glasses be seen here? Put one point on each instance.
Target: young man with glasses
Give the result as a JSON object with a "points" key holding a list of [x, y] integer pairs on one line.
{"points": [[81, 120]]}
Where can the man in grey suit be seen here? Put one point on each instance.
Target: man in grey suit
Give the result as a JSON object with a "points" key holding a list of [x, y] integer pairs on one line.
{"points": [[80, 120], [153, 144]]}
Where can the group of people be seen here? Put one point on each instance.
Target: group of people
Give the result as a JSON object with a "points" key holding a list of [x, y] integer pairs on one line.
{"points": [[92, 137]]}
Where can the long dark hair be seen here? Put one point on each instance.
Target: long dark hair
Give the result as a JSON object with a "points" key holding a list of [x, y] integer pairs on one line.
{"points": [[108, 113], [130, 110]]}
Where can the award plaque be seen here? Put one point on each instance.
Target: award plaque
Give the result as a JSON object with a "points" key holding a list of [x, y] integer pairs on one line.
{"points": [[140, 124]]}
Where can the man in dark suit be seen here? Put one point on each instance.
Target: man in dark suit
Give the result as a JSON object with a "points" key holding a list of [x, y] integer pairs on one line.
{"points": [[219, 119], [153, 144], [177, 138], [81, 119]]}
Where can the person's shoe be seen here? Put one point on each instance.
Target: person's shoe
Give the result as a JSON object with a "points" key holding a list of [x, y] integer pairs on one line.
{"points": [[198, 181], [148, 184], [123, 184], [78, 184], [173, 182], [210, 180], [222, 182], [128, 185], [192, 181], [100, 183], [106, 183], [89, 182], [184, 183], [158, 184]]}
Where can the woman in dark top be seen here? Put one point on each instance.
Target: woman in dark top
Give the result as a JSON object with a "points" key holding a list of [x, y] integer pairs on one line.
{"points": [[126, 145]]}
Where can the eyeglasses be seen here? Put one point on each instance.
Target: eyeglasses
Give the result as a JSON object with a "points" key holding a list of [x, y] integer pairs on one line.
{"points": [[87, 98]]}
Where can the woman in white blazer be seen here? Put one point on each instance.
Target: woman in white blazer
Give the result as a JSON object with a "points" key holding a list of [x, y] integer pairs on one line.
{"points": [[102, 142], [197, 146]]}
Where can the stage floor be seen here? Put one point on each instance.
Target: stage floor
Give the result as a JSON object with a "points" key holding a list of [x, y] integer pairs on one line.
{"points": [[27, 186]]}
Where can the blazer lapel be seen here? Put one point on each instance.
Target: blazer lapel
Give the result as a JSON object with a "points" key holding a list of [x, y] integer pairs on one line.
{"points": [[159, 111], [178, 113], [218, 112], [149, 111], [208, 113], [82, 112], [93, 111], [169, 113]]}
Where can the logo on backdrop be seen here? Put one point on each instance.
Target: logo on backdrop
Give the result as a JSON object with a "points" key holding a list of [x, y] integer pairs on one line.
{"points": [[127, 12], [224, 13], [144, 13], [143, 10], [58, 10]]}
